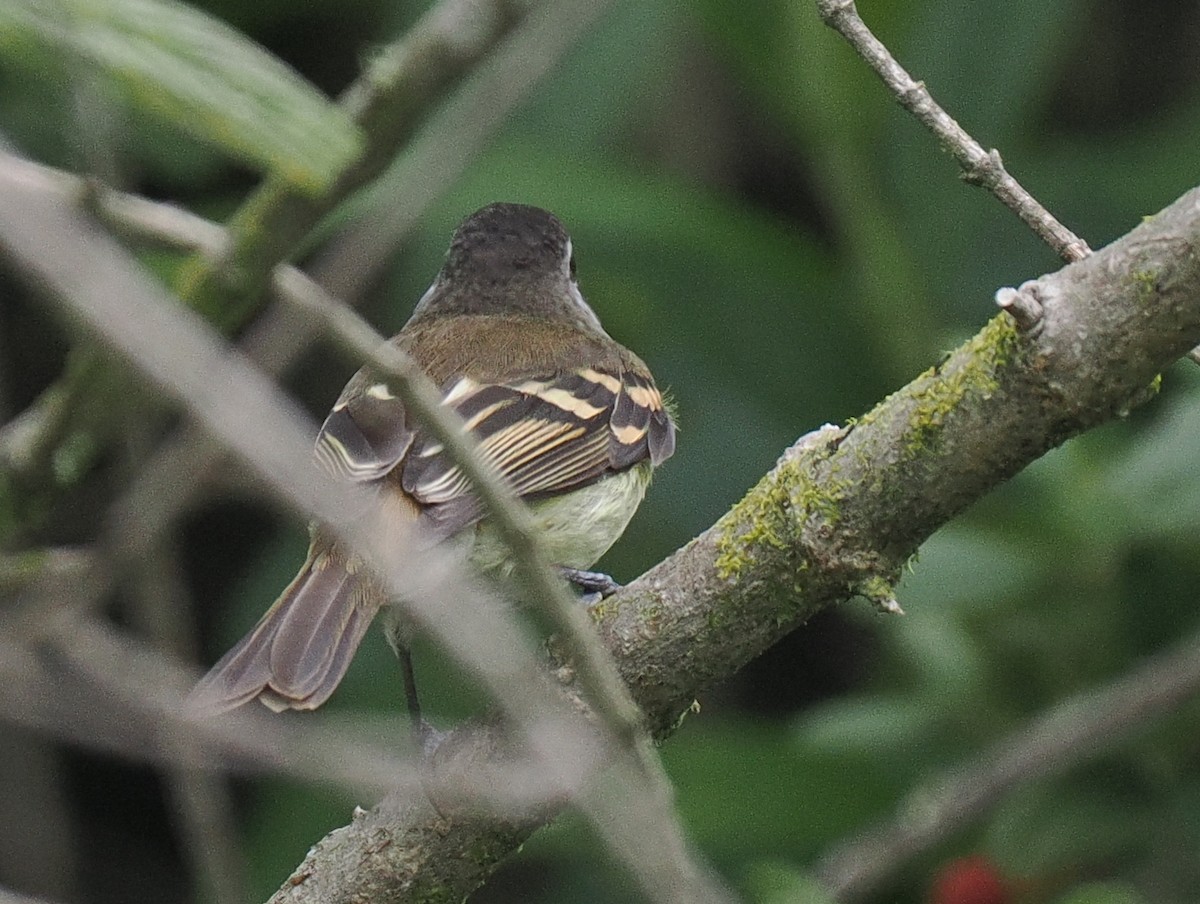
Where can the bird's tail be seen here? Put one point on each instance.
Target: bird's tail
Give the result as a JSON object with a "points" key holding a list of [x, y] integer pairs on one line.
{"points": [[300, 649]]}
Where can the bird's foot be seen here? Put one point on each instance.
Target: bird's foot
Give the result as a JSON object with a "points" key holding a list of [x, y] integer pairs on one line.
{"points": [[595, 585]]}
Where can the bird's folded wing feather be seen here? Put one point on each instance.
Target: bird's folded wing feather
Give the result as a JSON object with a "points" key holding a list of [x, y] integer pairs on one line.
{"points": [[543, 435]]}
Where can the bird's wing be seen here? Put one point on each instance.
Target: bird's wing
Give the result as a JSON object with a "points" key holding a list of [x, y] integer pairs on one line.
{"points": [[366, 434], [543, 435]]}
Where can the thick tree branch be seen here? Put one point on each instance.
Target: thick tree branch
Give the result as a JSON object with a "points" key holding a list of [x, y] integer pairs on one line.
{"points": [[840, 514]]}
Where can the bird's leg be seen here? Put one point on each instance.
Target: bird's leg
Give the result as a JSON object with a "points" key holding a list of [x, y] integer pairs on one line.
{"points": [[410, 685], [594, 584], [425, 735]]}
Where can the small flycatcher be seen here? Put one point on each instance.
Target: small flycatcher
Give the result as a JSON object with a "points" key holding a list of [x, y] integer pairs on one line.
{"points": [[568, 416]]}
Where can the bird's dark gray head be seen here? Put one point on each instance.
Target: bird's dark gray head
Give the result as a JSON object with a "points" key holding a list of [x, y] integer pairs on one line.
{"points": [[505, 240], [510, 258]]}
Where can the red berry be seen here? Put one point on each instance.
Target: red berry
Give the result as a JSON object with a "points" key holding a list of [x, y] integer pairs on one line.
{"points": [[968, 880]]}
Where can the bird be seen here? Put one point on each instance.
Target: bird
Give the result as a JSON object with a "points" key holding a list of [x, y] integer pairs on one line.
{"points": [[571, 419]]}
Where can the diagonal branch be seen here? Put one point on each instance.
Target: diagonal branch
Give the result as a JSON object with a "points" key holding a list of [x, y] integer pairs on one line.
{"points": [[840, 514]]}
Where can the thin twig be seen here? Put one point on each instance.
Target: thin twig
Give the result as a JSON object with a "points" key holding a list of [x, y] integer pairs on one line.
{"points": [[980, 167]]}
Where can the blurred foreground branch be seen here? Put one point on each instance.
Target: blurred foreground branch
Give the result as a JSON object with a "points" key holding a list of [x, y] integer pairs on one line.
{"points": [[101, 286]]}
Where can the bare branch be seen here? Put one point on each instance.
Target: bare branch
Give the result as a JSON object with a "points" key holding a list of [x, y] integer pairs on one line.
{"points": [[980, 167], [1022, 305]]}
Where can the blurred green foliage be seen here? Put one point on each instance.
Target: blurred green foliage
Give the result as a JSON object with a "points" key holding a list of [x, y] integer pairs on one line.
{"points": [[764, 225], [193, 72]]}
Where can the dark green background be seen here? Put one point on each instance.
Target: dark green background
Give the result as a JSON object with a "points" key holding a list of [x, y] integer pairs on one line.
{"points": [[784, 246]]}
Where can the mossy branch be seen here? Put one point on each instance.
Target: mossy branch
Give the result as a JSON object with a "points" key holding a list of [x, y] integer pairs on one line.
{"points": [[839, 516]]}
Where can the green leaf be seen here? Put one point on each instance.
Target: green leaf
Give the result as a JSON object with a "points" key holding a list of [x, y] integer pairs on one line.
{"points": [[868, 725], [195, 72], [1103, 893], [771, 882], [1085, 823]]}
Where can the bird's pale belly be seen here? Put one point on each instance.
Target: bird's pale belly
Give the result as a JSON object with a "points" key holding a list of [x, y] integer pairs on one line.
{"points": [[577, 528]]}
